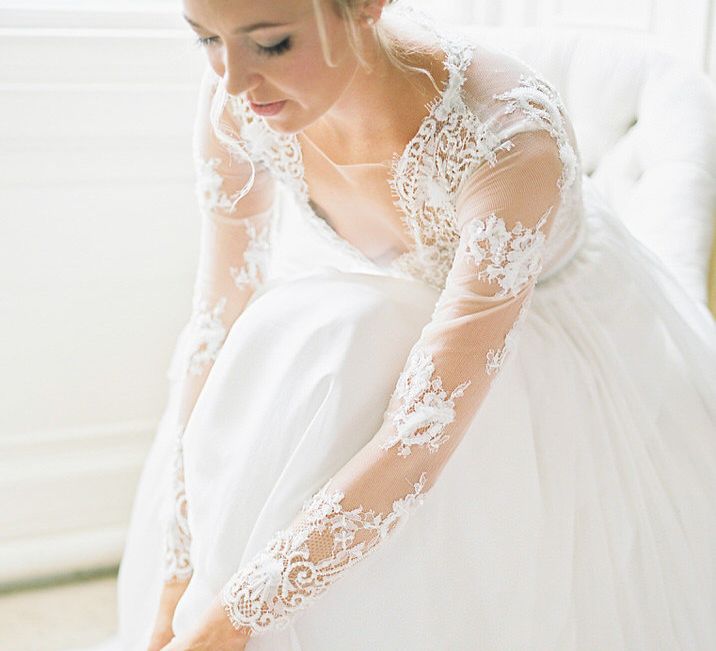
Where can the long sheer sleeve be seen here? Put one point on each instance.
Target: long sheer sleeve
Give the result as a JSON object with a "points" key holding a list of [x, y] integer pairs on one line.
{"points": [[505, 209], [235, 198]]}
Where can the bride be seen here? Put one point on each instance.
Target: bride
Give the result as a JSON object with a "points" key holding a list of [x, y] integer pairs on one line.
{"points": [[432, 394]]}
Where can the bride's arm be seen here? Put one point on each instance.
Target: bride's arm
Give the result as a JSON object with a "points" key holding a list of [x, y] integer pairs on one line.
{"points": [[233, 255], [505, 209]]}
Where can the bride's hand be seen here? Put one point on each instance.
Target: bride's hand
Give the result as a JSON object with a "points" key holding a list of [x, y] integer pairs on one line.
{"points": [[168, 600], [214, 632], [187, 643]]}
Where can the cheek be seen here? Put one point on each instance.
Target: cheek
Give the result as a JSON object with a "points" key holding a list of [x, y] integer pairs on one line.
{"points": [[307, 73], [312, 81]]}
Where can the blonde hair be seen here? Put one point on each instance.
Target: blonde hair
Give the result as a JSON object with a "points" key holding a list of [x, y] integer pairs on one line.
{"points": [[395, 51]]}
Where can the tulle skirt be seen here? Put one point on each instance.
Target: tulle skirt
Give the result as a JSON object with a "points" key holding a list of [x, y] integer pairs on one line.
{"points": [[577, 513]]}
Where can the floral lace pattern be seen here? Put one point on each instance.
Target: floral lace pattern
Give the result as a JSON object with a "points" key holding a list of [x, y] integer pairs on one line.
{"points": [[177, 563], [425, 407], [424, 185], [212, 199], [206, 334], [512, 258], [255, 267], [278, 152], [425, 178], [538, 101], [424, 182], [208, 187], [496, 358], [300, 563]]}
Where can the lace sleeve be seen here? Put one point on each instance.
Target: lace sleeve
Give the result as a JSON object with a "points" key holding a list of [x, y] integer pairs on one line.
{"points": [[505, 207], [235, 199]]}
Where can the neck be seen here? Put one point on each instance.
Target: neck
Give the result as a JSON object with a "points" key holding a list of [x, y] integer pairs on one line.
{"points": [[377, 109]]}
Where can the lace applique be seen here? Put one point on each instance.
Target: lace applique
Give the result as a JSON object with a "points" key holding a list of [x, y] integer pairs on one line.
{"points": [[208, 185], [496, 358], [299, 563], [254, 269], [541, 103], [513, 257], [425, 185], [280, 153], [206, 334], [425, 408], [177, 563], [425, 178]]}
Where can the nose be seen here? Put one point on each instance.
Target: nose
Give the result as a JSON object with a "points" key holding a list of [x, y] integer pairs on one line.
{"points": [[237, 77]]}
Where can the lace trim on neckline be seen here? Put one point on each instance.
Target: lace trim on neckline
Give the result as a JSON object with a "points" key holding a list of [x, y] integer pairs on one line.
{"points": [[282, 153], [458, 55]]}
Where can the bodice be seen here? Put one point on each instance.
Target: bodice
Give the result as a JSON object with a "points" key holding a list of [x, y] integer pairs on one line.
{"points": [[425, 178]]}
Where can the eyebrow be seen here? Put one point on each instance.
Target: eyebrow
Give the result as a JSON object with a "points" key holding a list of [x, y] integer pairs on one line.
{"points": [[246, 28]]}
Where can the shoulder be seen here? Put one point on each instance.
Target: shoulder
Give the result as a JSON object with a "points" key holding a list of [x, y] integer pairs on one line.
{"points": [[511, 97], [518, 116], [478, 65], [496, 81]]}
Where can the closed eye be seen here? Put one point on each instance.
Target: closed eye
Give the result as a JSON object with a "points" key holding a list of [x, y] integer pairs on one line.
{"points": [[279, 48], [206, 41]]}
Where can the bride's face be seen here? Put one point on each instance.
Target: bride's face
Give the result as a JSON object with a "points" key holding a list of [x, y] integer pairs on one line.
{"points": [[270, 51]]}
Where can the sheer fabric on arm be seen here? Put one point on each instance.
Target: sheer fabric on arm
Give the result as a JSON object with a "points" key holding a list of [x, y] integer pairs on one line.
{"points": [[505, 209], [235, 198]]}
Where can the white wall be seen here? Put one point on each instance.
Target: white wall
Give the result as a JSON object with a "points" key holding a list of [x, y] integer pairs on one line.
{"points": [[98, 233]]}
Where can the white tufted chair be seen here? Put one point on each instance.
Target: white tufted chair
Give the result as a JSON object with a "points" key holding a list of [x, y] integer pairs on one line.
{"points": [[646, 127]]}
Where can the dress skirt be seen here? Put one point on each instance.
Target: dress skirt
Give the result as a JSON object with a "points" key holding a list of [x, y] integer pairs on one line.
{"points": [[577, 513]]}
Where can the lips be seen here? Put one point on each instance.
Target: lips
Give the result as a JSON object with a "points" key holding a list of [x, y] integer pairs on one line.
{"points": [[267, 108]]}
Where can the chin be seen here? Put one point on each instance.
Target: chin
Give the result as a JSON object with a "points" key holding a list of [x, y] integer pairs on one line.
{"points": [[279, 126], [285, 124]]}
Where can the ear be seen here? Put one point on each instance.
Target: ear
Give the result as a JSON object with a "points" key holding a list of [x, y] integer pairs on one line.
{"points": [[371, 12]]}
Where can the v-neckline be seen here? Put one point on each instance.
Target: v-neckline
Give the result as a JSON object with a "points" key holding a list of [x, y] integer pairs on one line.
{"points": [[322, 225]]}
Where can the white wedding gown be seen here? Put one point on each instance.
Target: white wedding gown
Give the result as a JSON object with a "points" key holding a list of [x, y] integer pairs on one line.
{"points": [[523, 389]]}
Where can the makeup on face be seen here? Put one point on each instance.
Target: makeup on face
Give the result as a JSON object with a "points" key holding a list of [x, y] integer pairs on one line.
{"points": [[267, 109]]}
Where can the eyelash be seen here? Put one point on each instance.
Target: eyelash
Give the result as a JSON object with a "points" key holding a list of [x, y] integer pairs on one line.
{"points": [[279, 48]]}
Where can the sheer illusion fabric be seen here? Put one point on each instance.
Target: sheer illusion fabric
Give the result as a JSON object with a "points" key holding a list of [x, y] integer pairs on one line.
{"points": [[481, 188]]}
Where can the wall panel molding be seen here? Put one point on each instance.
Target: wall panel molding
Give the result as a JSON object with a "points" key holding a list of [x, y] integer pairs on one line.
{"points": [[100, 232], [65, 497]]}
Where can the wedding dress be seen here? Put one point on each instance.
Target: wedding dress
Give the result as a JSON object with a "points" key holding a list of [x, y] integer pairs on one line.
{"points": [[485, 420]]}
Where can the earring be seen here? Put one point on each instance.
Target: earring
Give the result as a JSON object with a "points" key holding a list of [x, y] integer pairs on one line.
{"points": [[370, 21]]}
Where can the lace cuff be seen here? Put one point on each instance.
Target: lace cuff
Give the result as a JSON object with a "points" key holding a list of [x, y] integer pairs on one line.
{"points": [[300, 562]]}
